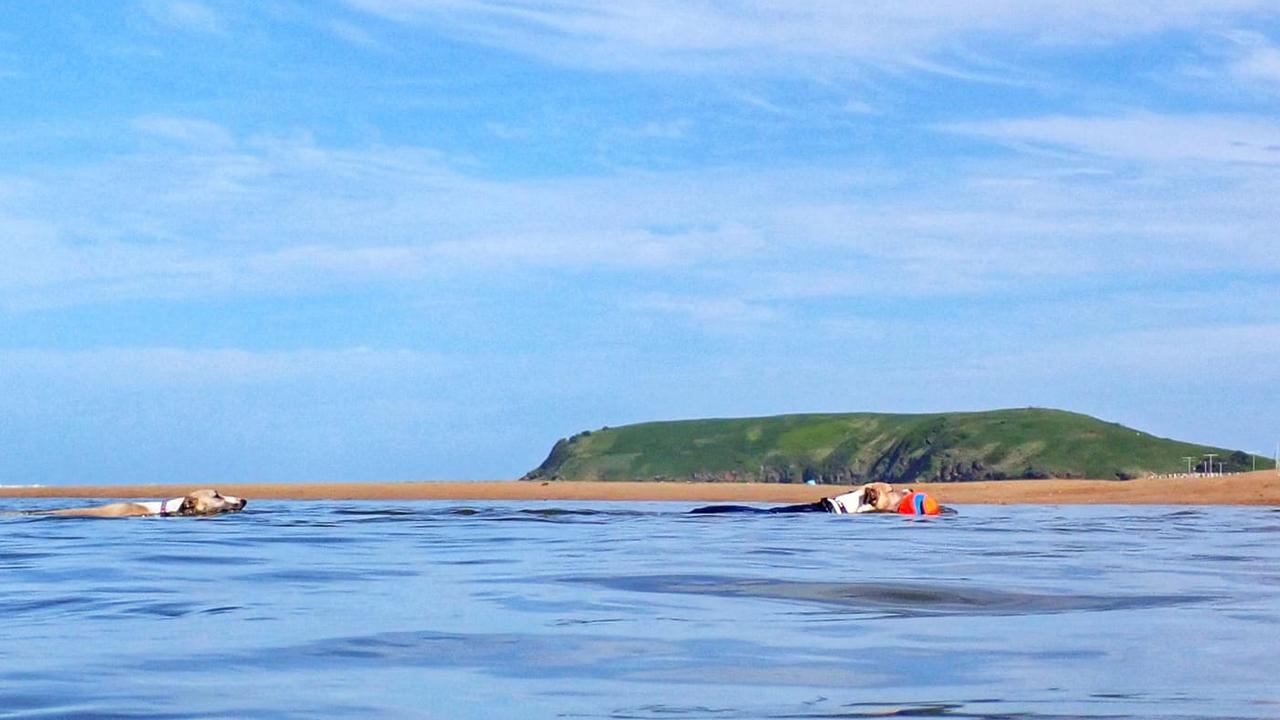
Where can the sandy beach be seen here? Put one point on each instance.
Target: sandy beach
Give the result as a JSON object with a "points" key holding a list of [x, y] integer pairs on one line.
{"points": [[1257, 488]]}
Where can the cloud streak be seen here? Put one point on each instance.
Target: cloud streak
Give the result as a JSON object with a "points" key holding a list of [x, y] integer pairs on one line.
{"points": [[191, 369], [206, 214], [755, 33], [1254, 60], [188, 15], [1142, 136]]}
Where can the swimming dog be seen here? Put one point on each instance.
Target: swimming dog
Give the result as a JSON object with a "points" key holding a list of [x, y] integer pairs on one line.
{"points": [[871, 497], [198, 502]]}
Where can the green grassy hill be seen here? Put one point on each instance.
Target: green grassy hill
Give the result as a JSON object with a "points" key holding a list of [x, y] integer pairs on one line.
{"points": [[861, 447]]}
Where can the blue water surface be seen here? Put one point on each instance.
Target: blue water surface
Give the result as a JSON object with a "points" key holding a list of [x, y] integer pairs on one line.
{"points": [[607, 610]]}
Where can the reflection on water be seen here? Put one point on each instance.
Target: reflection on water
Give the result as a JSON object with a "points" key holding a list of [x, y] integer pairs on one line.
{"points": [[353, 610], [890, 600]]}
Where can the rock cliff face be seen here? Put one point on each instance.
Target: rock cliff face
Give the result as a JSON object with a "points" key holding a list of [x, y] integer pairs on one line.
{"points": [[862, 447]]}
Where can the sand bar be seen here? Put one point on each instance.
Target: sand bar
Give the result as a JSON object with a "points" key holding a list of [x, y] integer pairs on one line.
{"points": [[1257, 488]]}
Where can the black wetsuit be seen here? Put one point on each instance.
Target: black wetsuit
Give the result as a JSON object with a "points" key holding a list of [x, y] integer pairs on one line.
{"points": [[820, 506]]}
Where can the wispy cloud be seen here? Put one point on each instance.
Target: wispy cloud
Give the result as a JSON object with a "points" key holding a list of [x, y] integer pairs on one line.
{"points": [[660, 130], [1256, 60], [192, 368], [354, 34], [718, 314], [1142, 136], [208, 214], [617, 248], [198, 133], [189, 15], [734, 33]]}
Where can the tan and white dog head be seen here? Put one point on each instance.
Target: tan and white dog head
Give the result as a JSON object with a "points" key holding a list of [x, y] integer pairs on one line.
{"points": [[871, 497], [210, 502]]}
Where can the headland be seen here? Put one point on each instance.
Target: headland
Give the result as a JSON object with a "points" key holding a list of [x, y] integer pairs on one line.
{"points": [[853, 448]]}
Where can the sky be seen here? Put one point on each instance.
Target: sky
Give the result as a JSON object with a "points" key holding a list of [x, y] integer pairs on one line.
{"points": [[344, 240]]}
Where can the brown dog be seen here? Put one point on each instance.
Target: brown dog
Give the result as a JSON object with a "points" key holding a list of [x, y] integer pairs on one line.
{"points": [[872, 497], [883, 497], [199, 502]]}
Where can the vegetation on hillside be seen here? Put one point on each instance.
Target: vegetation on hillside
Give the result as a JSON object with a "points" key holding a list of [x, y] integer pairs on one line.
{"points": [[861, 447]]}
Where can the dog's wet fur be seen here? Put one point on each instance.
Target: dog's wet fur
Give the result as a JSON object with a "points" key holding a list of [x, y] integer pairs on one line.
{"points": [[196, 503], [881, 497]]}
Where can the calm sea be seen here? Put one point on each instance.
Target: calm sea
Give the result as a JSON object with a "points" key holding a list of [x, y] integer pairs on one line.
{"points": [[598, 610]]}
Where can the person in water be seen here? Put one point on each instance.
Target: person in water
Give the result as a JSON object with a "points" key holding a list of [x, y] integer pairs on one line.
{"points": [[872, 497]]}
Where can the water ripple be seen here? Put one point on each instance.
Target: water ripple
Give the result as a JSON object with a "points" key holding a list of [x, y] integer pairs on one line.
{"points": [[887, 599]]}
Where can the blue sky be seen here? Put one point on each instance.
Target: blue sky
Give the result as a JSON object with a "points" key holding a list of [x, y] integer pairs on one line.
{"points": [[416, 239]]}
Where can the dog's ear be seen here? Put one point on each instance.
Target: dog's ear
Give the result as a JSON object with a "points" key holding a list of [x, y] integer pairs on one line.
{"points": [[188, 506]]}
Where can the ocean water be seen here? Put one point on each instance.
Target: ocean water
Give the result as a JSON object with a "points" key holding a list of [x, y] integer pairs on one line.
{"points": [[601, 610]]}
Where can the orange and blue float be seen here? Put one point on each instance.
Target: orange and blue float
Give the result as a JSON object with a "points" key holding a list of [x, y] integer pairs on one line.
{"points": [[918, 503]]}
